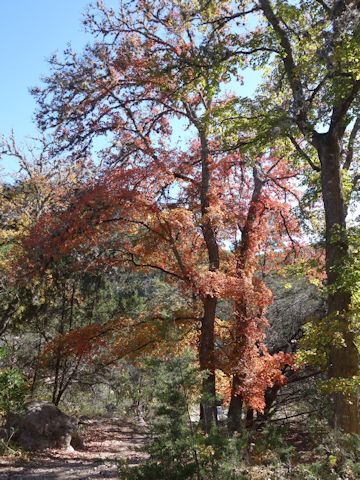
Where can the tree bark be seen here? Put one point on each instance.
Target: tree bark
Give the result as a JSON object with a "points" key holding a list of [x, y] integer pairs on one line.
{"points": [[235, 407], [208, 411], [343, 360], [250, 414], [270, 398]]}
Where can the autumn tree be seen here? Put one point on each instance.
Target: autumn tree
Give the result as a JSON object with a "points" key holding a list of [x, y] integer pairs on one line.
{"points": [[268, 234], [35, 310], [41, 182], [159, 73], [155, 68], [152, 236]]}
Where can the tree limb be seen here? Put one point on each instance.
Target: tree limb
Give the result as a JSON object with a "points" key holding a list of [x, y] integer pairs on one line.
{"points": [[350, 149], [304, 154]]}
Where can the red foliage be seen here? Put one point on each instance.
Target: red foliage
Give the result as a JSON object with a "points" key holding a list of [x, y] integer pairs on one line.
{"points": [[207, 218], [119, 221]]}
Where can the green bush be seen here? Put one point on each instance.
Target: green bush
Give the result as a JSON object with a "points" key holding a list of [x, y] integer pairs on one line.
{"points": [[13, 388], [178, 448]]}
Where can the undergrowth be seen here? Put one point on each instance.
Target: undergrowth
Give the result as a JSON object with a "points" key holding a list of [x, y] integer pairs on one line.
{"points": [[179, 450]]}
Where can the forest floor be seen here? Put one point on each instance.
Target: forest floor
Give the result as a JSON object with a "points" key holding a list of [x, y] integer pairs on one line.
{"points": [[106, 440]]}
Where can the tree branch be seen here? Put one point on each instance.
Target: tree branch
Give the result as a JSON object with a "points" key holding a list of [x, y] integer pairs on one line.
{"points": [[290, 67], [304, 154], [350, 149], [340, 111]]}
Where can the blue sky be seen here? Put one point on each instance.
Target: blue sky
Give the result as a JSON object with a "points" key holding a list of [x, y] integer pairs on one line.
{"points": [[30, 31]]}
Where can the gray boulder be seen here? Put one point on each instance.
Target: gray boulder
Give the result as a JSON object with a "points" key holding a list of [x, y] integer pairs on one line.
{"points": [[43, 426]]}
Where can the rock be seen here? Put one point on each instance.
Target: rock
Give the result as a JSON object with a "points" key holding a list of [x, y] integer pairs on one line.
{"points": [[43, 426], [76, 441]]}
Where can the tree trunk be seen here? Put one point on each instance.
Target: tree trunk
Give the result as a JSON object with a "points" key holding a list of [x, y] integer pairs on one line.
{"points": [[245, 265], [343, 360], [208, 412], [235, 407], [270, 398], [249, 418]]}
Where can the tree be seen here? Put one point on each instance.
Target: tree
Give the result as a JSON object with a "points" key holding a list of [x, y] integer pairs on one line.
{"points": [[172, 79], [264, 220], [324, 84], [151, 68], [314, 100], [41, 182], [93, 234]]}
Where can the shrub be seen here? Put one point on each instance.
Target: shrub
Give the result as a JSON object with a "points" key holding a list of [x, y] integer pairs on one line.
{"points": [[13, 388], [177, 448]]}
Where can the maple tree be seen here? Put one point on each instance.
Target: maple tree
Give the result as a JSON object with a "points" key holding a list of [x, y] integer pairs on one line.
{"points": [[171, 206], [153, 236], [269, 233]]}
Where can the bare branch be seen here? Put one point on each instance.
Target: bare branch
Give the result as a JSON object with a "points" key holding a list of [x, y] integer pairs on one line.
{"points": [[304, 154], [350, 149]]}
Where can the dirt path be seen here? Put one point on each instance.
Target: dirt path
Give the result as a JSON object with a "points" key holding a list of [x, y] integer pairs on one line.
{"points": [[105, 441]]}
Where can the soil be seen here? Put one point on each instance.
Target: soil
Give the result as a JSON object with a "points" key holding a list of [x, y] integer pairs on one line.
{"points": [[106, 440]]}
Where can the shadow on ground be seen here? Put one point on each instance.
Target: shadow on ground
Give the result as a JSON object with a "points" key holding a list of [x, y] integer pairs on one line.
{"points": [[106, 439]]}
